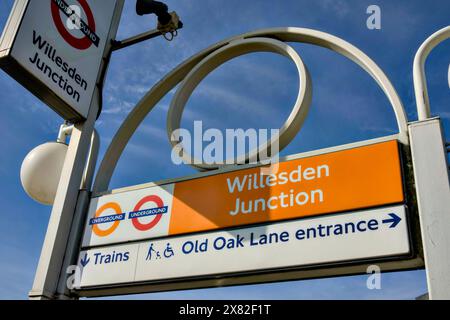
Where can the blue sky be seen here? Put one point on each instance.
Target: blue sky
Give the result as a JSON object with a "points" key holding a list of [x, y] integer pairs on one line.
{"points": [[256, 91]]}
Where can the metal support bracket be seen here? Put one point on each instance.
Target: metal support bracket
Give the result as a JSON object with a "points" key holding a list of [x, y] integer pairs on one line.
{"points": [[162, 30]]}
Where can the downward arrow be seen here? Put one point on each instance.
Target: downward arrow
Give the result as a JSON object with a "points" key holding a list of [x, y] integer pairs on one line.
{"points": [[395, 220], [85, 260]]}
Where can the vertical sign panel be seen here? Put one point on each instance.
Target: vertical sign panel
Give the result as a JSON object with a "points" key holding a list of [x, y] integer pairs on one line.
{"points": [[56, 50]]}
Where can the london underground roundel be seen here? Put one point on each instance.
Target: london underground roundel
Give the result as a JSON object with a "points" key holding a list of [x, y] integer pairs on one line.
{"points": [[144, 227], [75, 23]]}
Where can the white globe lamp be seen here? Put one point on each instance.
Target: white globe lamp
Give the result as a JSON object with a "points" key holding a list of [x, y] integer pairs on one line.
{"points": [[41, 171]]}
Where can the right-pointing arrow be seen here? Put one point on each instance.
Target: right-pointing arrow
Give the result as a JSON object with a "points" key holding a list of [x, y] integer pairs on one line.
{"points": [[394, 220]]}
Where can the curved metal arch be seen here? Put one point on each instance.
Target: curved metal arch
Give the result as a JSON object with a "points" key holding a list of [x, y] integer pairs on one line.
{"points": [[420, 79], [172, 79]]}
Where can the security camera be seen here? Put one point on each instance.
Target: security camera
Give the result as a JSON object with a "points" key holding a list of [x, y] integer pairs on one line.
{"points": [[160, 9], [168, 23]]}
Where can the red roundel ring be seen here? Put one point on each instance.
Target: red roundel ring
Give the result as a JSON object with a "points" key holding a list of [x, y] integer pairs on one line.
{"points": [[83, 43], [145, 227]]}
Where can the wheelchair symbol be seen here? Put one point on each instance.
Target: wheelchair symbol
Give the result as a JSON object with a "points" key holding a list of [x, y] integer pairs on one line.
{"points": [[168, 253]]}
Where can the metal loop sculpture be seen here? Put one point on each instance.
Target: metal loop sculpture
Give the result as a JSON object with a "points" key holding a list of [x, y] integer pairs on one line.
{"points": [[193, 70]]}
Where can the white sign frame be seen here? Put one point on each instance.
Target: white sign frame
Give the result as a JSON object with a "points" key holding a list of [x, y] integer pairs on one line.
{"points": [[128, 276]]}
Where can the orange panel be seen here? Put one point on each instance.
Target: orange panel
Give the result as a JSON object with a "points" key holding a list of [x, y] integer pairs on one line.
{"points": [[346, 180]]}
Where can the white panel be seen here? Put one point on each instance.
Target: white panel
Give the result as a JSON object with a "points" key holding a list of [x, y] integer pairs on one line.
{"points": [[293, 252], [108, 265], [379, 235]]}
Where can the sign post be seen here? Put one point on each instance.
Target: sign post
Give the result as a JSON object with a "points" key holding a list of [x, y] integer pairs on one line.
{"points": [[431, 170], [433, 199], [49, 269]]}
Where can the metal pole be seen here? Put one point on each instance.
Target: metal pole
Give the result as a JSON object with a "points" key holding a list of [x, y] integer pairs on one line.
{"points": [[429, 155], [70, 203], [76, 232], [55, 243], [420, 82], [429, 159]]}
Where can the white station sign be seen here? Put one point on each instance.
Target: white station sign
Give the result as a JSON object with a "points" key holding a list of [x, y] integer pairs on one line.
{"points": [[354, 236], [55, 48]]}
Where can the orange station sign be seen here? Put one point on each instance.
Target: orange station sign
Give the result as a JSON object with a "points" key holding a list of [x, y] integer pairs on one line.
{"points": [[340, 181]]}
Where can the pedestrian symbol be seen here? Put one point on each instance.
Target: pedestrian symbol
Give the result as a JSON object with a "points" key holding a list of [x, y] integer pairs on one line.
{"points": [[154, 254]]}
